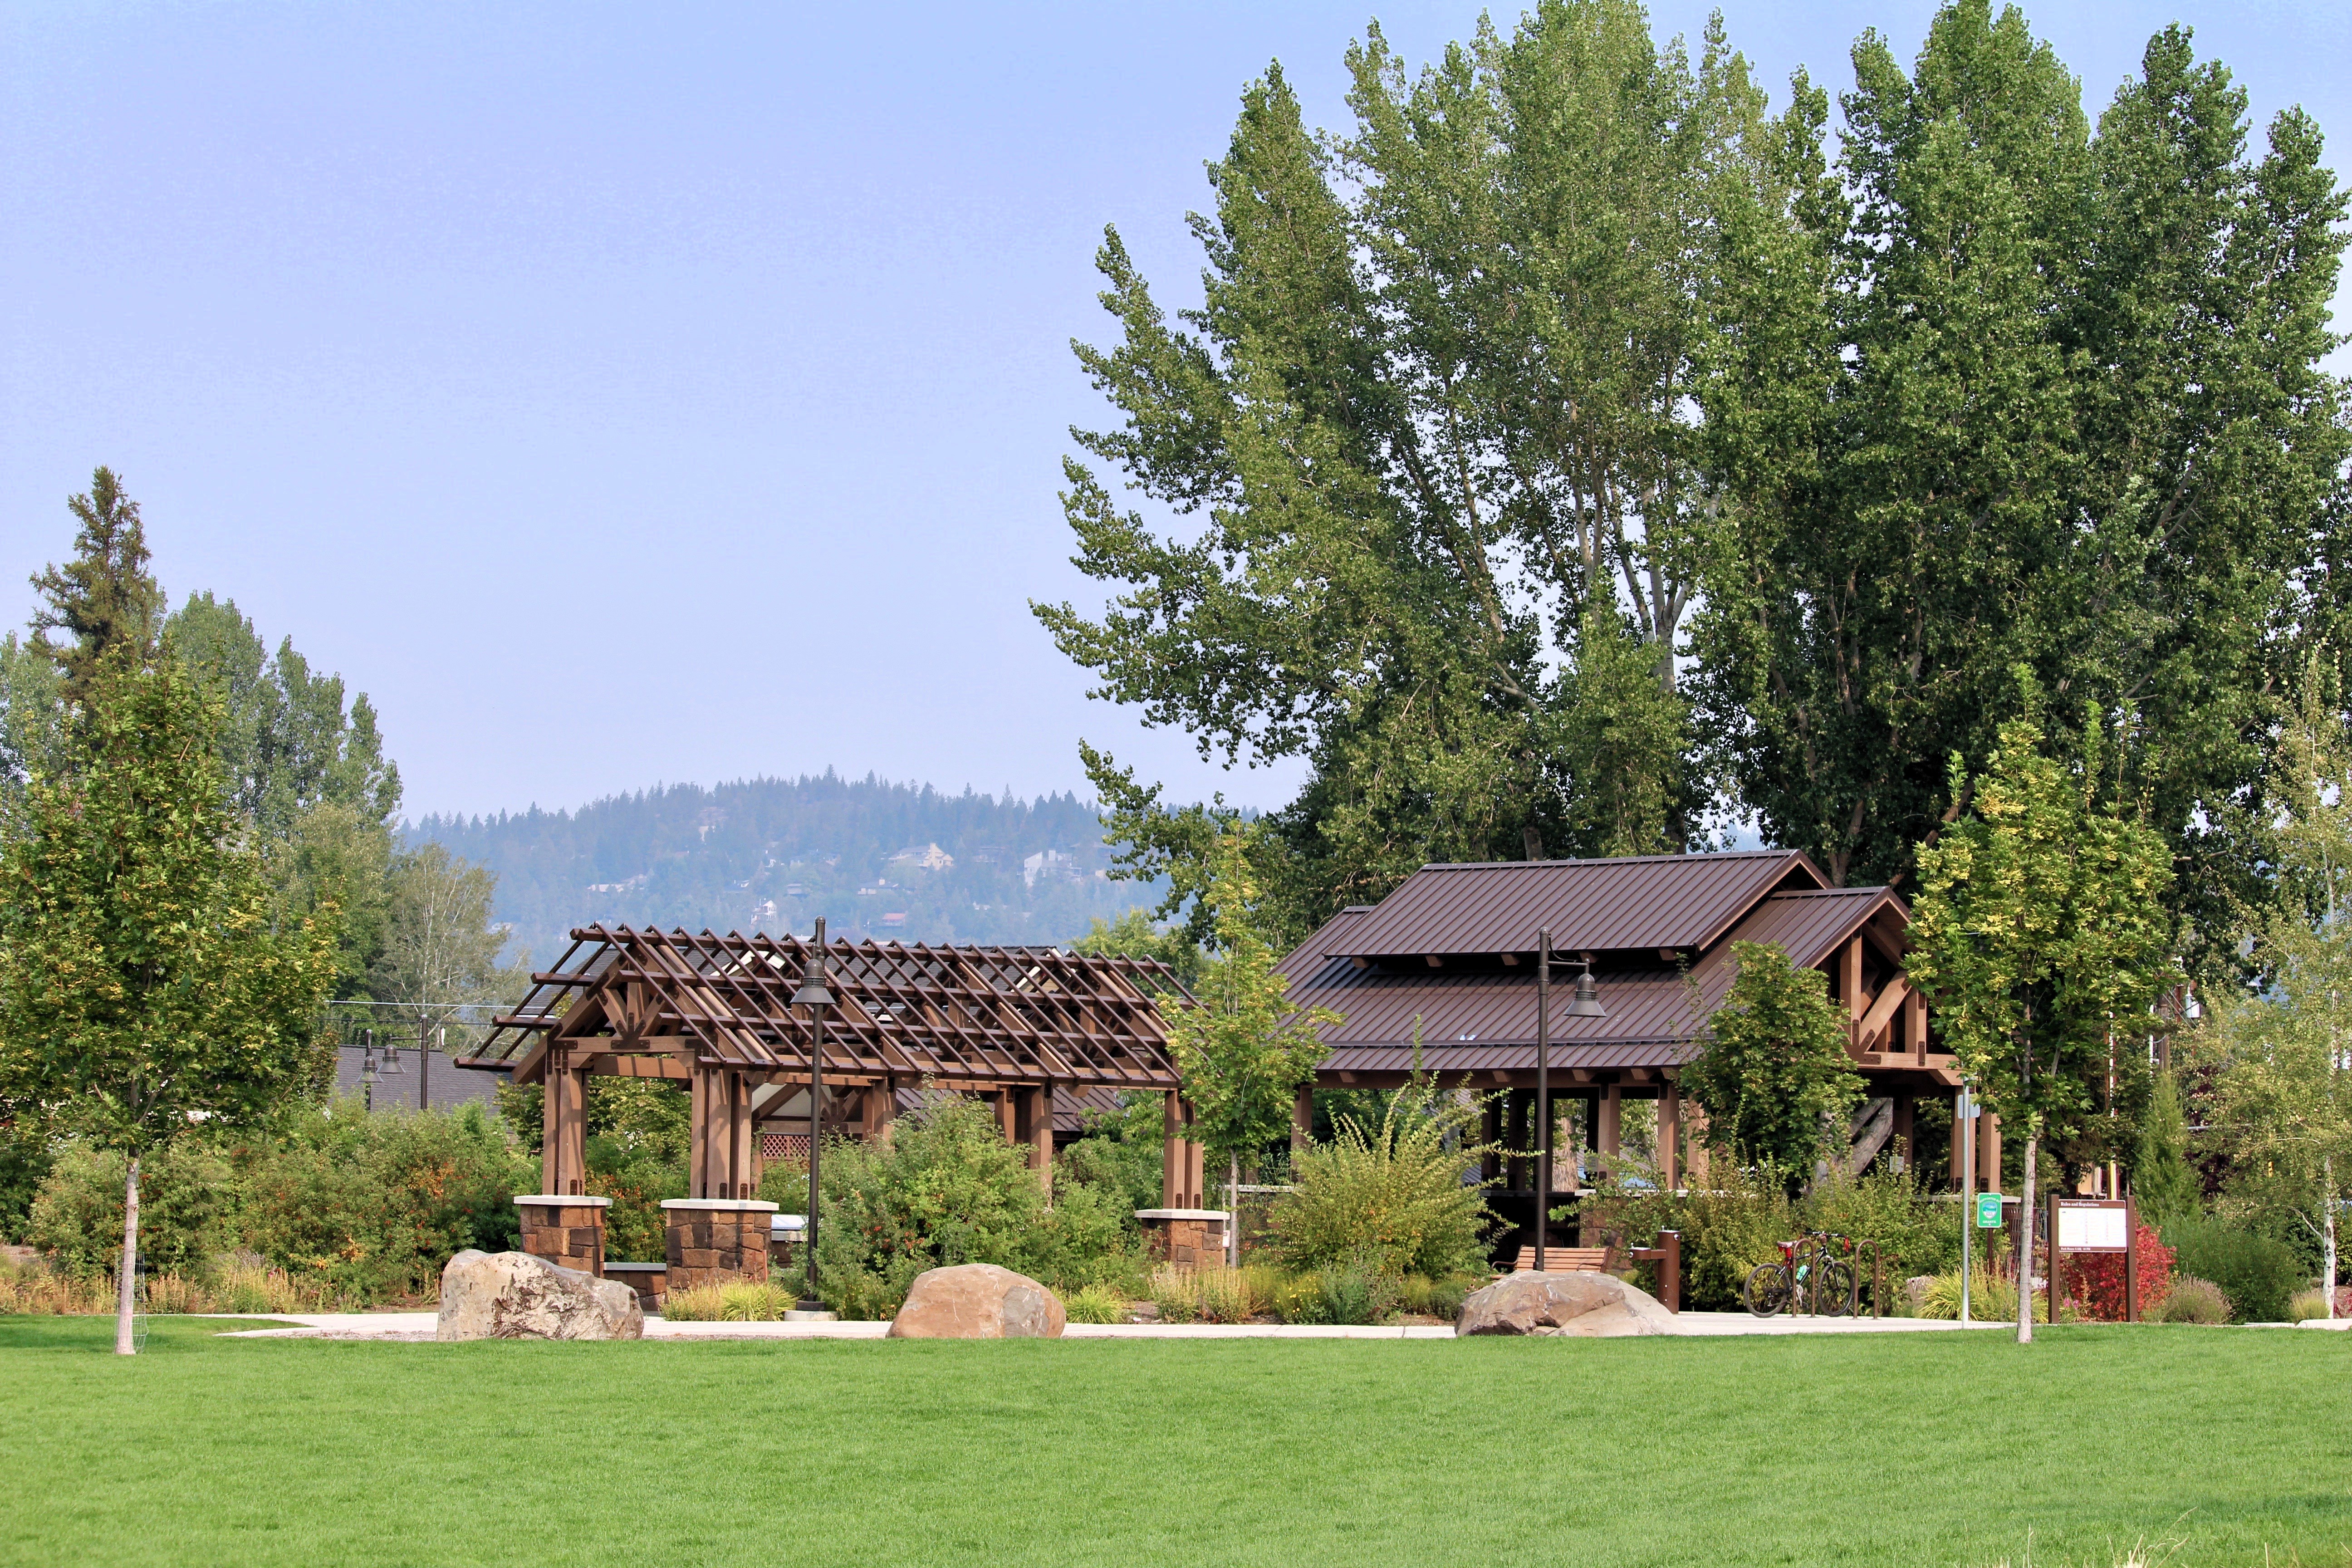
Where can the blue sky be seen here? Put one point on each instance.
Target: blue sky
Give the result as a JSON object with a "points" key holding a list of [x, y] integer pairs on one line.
{"points": [[622, 394]]}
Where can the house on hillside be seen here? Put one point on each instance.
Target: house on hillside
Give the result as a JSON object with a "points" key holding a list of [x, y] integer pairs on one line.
{"points": [[1451, 954], [928, 857]]}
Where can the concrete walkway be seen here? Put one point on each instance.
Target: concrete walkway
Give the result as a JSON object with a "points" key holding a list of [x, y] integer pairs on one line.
{"points": [[415, 1327]]}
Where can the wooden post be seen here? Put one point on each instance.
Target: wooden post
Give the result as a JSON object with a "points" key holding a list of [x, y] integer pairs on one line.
{"points": [[1915, 1026], [1849, 987], [1670, 1137], [1490, 1132], [2052, 1286], [1694, 1136], [1611, 1108], [742, 1140], [1988, 1154], [1670, 1270], [1041, 1137], [877, 1111], [1302, 1121], [1172, 1157], [1515, 1137], [2131, 1261], [563, 1165]]}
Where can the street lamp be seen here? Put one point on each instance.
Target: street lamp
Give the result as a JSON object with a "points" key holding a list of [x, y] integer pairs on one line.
{"points": [[815, 996], [1583, 1004]]}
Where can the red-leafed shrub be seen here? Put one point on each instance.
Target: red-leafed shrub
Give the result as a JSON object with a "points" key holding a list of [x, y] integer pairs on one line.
{"points": [[2095, 1280]]}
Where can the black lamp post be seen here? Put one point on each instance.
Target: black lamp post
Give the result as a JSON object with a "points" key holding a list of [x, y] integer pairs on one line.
{"points": [[816, 997], [1585, 1004]]}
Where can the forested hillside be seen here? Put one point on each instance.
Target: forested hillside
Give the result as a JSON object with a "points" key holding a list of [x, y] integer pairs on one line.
{"points": [[877, 860]]}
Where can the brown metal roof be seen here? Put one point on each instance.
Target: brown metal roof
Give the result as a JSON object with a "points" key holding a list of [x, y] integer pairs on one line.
{"points": [[1627, 904], [1485, 1019]]}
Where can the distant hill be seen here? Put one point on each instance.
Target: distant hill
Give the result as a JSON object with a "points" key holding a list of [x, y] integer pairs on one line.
{"points": [[877, 860]]}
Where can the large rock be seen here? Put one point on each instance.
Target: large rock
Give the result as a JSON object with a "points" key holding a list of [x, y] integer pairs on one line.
{"points": [[1589, 1305], [978, 1301], [514, 1296]]}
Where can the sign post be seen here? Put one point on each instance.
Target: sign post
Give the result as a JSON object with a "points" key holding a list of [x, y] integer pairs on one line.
{"points": [[2097, 1225]]}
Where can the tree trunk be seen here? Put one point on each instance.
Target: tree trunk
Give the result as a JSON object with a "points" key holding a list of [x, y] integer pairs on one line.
{"points": [[2327, 1240], [2025, 1243], [1233, 1214], [127, 1284]]}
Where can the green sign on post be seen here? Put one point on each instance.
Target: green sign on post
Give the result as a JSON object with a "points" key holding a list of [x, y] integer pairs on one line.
{"points": [[1988, 1211]]}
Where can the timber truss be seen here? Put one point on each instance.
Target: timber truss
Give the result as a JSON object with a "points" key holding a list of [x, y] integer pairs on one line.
{"points": [[960, 1017], [1013, 1023]]}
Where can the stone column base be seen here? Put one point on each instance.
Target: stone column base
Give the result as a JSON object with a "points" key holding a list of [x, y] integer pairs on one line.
{"points": [[569, 1232], [1185, 1237], [714, 1241]]}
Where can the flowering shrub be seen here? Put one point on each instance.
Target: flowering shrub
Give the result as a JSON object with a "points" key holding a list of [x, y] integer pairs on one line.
{"points": [[2094, 1281]]}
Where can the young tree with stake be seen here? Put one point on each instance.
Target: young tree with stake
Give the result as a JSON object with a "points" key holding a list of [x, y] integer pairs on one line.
{"points": [[2040, 932], [144, 990], [1246, 1049]]}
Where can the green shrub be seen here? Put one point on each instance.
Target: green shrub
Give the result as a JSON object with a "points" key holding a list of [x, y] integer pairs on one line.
{"points": [[2256, 1272], [1097, 1304], [636, 1178], [2194, 1300], [1390, 1199], [1432, 1297], [1212, 1295], [754, 1301], [370, 1206], [187, 1198], [947, 1189]]}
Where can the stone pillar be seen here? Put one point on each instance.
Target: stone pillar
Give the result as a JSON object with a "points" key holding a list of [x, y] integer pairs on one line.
{"points": [[566, 1230], [715, 1241], [1186, 1237]]}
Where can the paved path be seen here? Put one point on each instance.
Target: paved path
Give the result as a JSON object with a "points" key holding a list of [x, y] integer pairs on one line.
{"points": [[419, 1326]]}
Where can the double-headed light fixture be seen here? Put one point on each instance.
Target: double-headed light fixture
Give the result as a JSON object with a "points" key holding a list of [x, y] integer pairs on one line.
{"points": [[817, 997]]}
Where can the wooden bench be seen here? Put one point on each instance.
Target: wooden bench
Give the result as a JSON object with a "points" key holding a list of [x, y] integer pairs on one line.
{"points": [[1574, 1260]]}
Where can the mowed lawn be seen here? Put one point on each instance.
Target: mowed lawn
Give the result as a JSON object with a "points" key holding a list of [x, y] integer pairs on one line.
{"points": [[1895, 1450]]}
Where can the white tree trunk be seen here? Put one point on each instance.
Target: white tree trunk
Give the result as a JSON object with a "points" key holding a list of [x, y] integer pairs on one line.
{"points": [[2328, 1233], [2025, 1246], [1233, 1214], [126, 1285]]}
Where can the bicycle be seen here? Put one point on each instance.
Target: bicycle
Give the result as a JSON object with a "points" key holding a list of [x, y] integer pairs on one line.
{"points": [[1813, 1275]]}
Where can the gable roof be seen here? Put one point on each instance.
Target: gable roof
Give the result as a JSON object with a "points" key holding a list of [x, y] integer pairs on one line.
{"points": [[1476, 1018], [1628, 904]]}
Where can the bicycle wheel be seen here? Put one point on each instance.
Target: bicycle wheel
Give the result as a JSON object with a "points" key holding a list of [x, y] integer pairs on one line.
{"points": [[1833, 1288], [1767, 1290]]}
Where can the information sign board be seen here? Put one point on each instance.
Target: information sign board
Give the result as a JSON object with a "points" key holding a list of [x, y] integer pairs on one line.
{"points": [[2092, 1224], [1988, 1211]]}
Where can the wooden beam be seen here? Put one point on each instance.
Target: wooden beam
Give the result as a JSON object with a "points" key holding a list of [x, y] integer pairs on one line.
{"points": [[1872, 1023]]}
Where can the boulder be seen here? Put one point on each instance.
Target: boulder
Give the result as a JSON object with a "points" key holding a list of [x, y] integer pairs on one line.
{"points": [[1587, 1305], [978, 1301], [514, 1296]]}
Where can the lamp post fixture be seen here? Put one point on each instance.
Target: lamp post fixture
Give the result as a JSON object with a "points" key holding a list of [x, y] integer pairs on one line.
{"points": [[815, 996], [1583, 1004]]}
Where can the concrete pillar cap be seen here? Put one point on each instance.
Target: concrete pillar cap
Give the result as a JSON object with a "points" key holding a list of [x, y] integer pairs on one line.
{"points": [[557, 1200]]}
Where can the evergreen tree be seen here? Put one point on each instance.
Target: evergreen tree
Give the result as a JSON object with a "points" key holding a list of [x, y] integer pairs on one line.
{"points": [[104, 598]]}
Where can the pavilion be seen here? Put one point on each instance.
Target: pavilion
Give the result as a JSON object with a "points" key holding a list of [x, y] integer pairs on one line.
{"points": [[1450, 957]]}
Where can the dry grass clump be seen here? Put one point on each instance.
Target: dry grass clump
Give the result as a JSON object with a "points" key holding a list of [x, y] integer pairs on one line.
{"points": [[1214, 1295], [2195, 1301], [737, 1302], [238, 1284], [1098, 1303]]}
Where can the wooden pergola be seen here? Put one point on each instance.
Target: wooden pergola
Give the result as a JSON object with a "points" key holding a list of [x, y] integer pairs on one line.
{"points": [[1012, 1025]]}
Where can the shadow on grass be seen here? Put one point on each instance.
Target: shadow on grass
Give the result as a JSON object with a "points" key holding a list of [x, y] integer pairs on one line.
{"points": [[95, 1336]]}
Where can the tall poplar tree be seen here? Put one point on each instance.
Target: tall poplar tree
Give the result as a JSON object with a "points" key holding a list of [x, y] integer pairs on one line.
{"points": [[2006, 392]]}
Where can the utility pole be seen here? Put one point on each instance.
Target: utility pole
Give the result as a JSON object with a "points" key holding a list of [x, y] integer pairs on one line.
{"points": [[424, 1062]]}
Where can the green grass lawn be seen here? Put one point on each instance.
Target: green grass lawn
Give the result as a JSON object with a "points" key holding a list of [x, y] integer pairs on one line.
{"points": [[1896, 1449]]}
